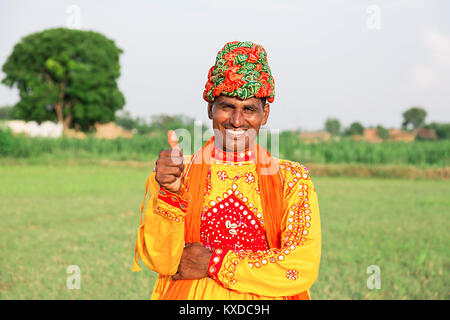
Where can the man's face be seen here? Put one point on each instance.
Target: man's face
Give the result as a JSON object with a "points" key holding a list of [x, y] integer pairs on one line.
{"points": [[236, 122]]}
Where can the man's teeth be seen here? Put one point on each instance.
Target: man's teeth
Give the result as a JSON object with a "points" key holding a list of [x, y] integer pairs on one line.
{"points": [[236, 132]]}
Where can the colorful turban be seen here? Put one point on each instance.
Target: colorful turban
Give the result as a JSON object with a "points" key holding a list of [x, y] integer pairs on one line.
{"points": [[242, 71]]}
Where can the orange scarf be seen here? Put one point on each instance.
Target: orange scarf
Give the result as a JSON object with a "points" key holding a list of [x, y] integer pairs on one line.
{"points": [[195, 180]]}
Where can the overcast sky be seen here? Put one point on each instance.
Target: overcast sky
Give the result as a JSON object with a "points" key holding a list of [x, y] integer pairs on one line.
{"points": [[355, 60]]}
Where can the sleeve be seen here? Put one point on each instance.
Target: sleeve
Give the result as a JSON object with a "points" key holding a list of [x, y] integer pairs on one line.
{"points": [[289, 270], [160, 239]]}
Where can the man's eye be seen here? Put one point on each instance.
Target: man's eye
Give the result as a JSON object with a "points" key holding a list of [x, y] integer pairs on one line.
{"points": [[249, 110]]}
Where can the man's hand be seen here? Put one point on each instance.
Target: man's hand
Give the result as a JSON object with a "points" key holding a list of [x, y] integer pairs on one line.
{"points": [[170, 165], [194, 262]]}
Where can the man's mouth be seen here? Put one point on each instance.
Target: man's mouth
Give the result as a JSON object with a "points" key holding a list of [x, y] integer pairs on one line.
{"points": [[235, 133]]}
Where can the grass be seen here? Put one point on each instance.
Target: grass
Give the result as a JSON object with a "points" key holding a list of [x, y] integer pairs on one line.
{"points": [[399, 225], [53, 216]]}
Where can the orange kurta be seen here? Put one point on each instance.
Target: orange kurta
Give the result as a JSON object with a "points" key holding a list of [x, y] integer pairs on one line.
{"points": [[242, 265]]}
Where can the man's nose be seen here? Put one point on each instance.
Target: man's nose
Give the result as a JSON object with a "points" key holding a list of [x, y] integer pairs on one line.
{"points": [[237, 119]]}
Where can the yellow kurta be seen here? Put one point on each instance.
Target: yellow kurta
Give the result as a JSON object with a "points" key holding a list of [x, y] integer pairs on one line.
{"points": [[242, 266]]}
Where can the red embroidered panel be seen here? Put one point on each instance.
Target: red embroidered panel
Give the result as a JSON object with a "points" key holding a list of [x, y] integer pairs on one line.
{"points": [[231, 225], [172, 199]]}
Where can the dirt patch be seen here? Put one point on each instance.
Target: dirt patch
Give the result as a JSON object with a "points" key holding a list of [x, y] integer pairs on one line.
{"points": [[111, 130]]}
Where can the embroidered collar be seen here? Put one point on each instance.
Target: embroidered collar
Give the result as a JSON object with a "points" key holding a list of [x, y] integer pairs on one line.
{"points": [[229, 156]]}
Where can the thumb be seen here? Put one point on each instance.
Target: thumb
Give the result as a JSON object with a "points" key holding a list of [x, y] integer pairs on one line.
{"points": [[172, 139], [176, 276]]}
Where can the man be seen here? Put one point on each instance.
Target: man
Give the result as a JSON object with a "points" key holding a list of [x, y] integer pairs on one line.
{"points": [[231, 221]]}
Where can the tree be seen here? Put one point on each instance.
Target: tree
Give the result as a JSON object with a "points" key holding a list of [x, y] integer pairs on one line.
{"points": [[125, 120], [333, 126], [383, 133], [355, 128], [442, 129], [414, 116], [65, 75], [5, 113]]}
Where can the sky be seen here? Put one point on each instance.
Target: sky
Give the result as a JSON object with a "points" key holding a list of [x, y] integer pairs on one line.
{"points": [[355, 60]]}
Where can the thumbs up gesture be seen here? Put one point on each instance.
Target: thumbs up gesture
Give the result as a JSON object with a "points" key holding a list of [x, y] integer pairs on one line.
{"points": [[170, 165]]}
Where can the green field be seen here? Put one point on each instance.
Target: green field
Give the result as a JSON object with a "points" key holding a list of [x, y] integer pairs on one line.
{"points": [[87, 215], [421, 154]]}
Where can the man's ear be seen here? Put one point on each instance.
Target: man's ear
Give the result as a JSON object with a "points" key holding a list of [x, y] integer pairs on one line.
{"points": [[266, 111], [210, 114]]}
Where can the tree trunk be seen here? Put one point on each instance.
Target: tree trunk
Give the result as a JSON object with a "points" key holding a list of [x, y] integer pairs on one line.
{"points": [[59, 105], [59, 108], [68, 119], [59, 114]]}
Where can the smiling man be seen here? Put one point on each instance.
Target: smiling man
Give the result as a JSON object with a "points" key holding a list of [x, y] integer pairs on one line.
{"points": [[231, 221]]}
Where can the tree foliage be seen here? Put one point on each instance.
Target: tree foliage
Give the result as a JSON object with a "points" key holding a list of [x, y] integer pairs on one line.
{"points": [[333, 126], [5, 113], [355, 128], [125, 120], [64, 75], [383, 133], [442, 129], [414, 117]]}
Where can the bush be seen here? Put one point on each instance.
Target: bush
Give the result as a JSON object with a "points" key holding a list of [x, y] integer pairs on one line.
{"points": [[442, 129], [383, 133], [6, 113], [355, 128], [6, 142]]}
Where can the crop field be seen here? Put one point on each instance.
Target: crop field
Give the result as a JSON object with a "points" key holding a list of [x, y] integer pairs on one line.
{"points": [[424, 154], [55, 216]]}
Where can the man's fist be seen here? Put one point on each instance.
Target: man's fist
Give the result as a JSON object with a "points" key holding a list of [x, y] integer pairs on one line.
{"points": [[170, 165], [194, 262]]}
